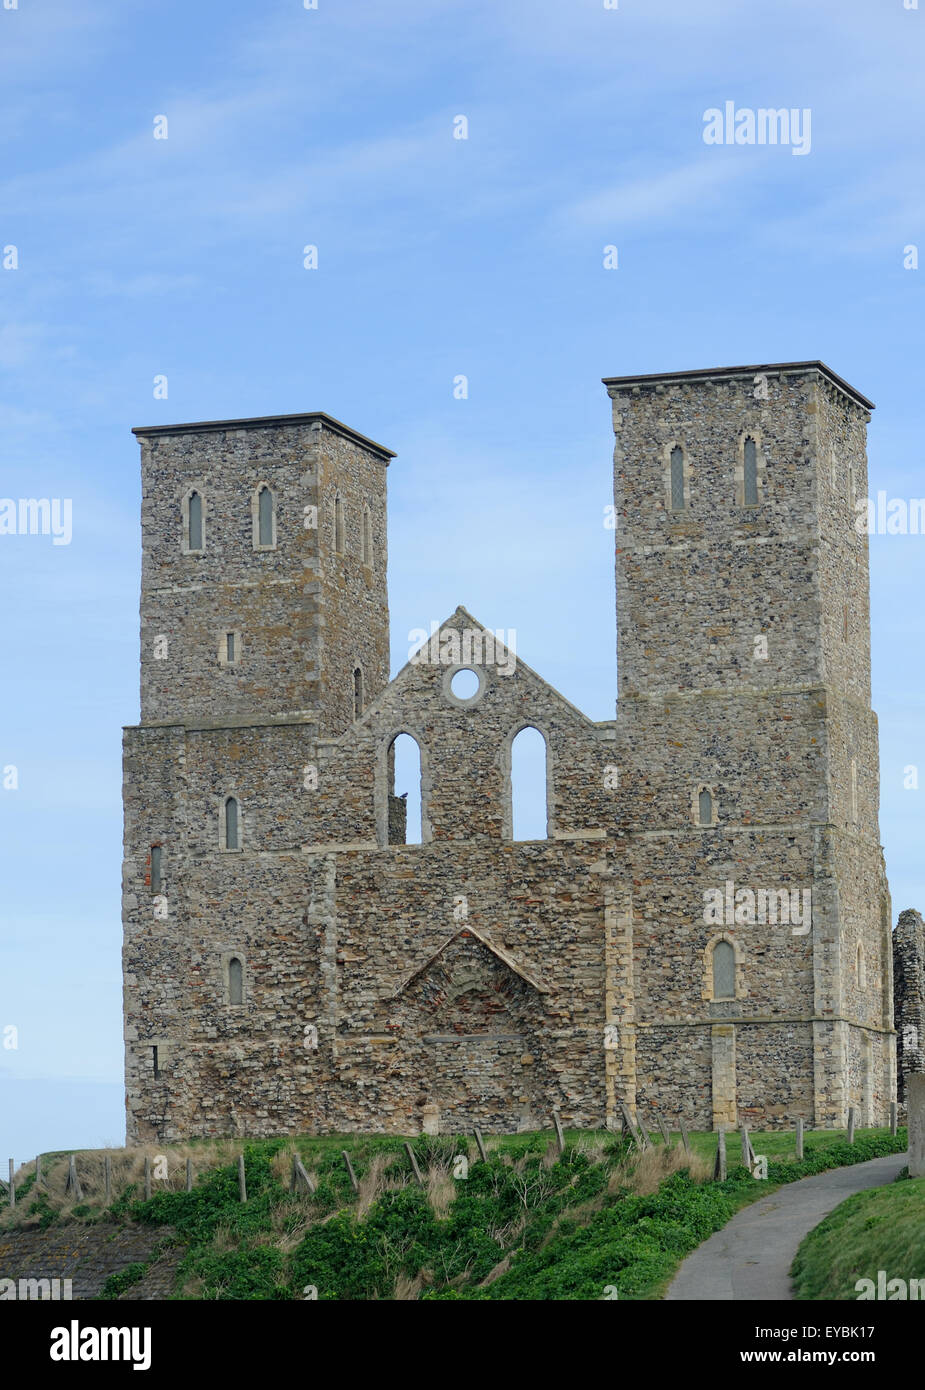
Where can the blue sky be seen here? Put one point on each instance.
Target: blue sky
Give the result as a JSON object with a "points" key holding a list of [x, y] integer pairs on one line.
{"points": [[437, 257]]}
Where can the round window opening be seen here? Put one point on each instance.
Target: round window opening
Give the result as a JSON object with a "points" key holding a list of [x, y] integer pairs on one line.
{"points": [[465, 684]]}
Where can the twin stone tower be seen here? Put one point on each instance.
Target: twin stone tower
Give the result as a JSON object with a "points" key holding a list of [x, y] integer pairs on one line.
{"points": [[705, 929]]}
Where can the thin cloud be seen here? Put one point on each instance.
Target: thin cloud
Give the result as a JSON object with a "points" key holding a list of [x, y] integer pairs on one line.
{"points": [[690, 186]]}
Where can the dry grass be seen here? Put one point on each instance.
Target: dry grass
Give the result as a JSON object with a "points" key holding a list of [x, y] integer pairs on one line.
{"points": [[500, 1268], [550, 1155], [407, 1290], [168, 1174], [440, 1188], [223, 1240], [642, 1173], [594, 1145], [372, 1183]]}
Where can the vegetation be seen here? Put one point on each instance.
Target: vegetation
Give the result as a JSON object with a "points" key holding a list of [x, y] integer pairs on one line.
{"points": [[883, 1229], [599, 1221]]}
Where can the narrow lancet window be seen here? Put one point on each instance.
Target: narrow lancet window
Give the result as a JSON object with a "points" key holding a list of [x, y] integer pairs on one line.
{"points": [[235, 981], [367, 538], [265, 517], [678, 499], [338, 524], [724, 971], [194, 520], [528, 786], [155, 868], [232, 826], [751, 474]]}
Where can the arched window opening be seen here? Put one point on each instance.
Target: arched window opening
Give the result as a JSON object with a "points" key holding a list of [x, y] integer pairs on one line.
{"points": [[724, 971], [232, 824], [678, 499], [367, 538], [265, 517], [338, 524], [705, 806], [357, 692], [235, 981], [156, 868], [861, 968], [751, 474], [194, 522], [529, 807], [405, 795]]}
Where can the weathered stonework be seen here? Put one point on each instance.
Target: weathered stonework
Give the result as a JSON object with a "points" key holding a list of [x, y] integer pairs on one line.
{"points": [[909, 997], [473, 979]]}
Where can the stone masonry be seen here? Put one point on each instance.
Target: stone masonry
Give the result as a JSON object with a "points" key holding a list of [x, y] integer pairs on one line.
{"points": [[704, 930], [909, 997]]}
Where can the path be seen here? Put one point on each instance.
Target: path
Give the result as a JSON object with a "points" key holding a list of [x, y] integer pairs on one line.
{"points": [[750, 1257]]}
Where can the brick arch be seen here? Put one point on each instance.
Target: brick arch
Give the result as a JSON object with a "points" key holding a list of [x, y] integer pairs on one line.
{"points": [[472, 1029]]}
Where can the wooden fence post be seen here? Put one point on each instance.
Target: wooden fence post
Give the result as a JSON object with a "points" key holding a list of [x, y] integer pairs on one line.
{"points": [[414, 1165], [242, 1183], [748, 1153], [560, 1137], [685, 1138], [646, 1141], [851, 1119], [299, 1175], [629, 1125], [481, 1144], [73, 1182], [352, 1175], [799, 1139], [664, 1128], [719, 1166]]}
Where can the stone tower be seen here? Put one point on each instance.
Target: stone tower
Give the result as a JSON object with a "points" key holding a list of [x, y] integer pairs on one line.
{"points": [[236, 621], [264, 628], [751, 747]]}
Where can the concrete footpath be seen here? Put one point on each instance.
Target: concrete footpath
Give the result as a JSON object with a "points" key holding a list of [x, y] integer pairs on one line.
{"points": [[750, 1258]]}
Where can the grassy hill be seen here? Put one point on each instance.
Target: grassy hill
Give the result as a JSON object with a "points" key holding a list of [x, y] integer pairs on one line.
{"points": [[598, 1221], [883, 1229]]}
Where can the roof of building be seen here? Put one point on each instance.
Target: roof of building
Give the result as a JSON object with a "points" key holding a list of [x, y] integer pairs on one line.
{"points": [[717, 374], [256, 422]]}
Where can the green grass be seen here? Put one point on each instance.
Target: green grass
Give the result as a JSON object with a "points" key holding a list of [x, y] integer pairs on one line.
{"points": [[883, 1229], [540, 1229], [525, 1225]]}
